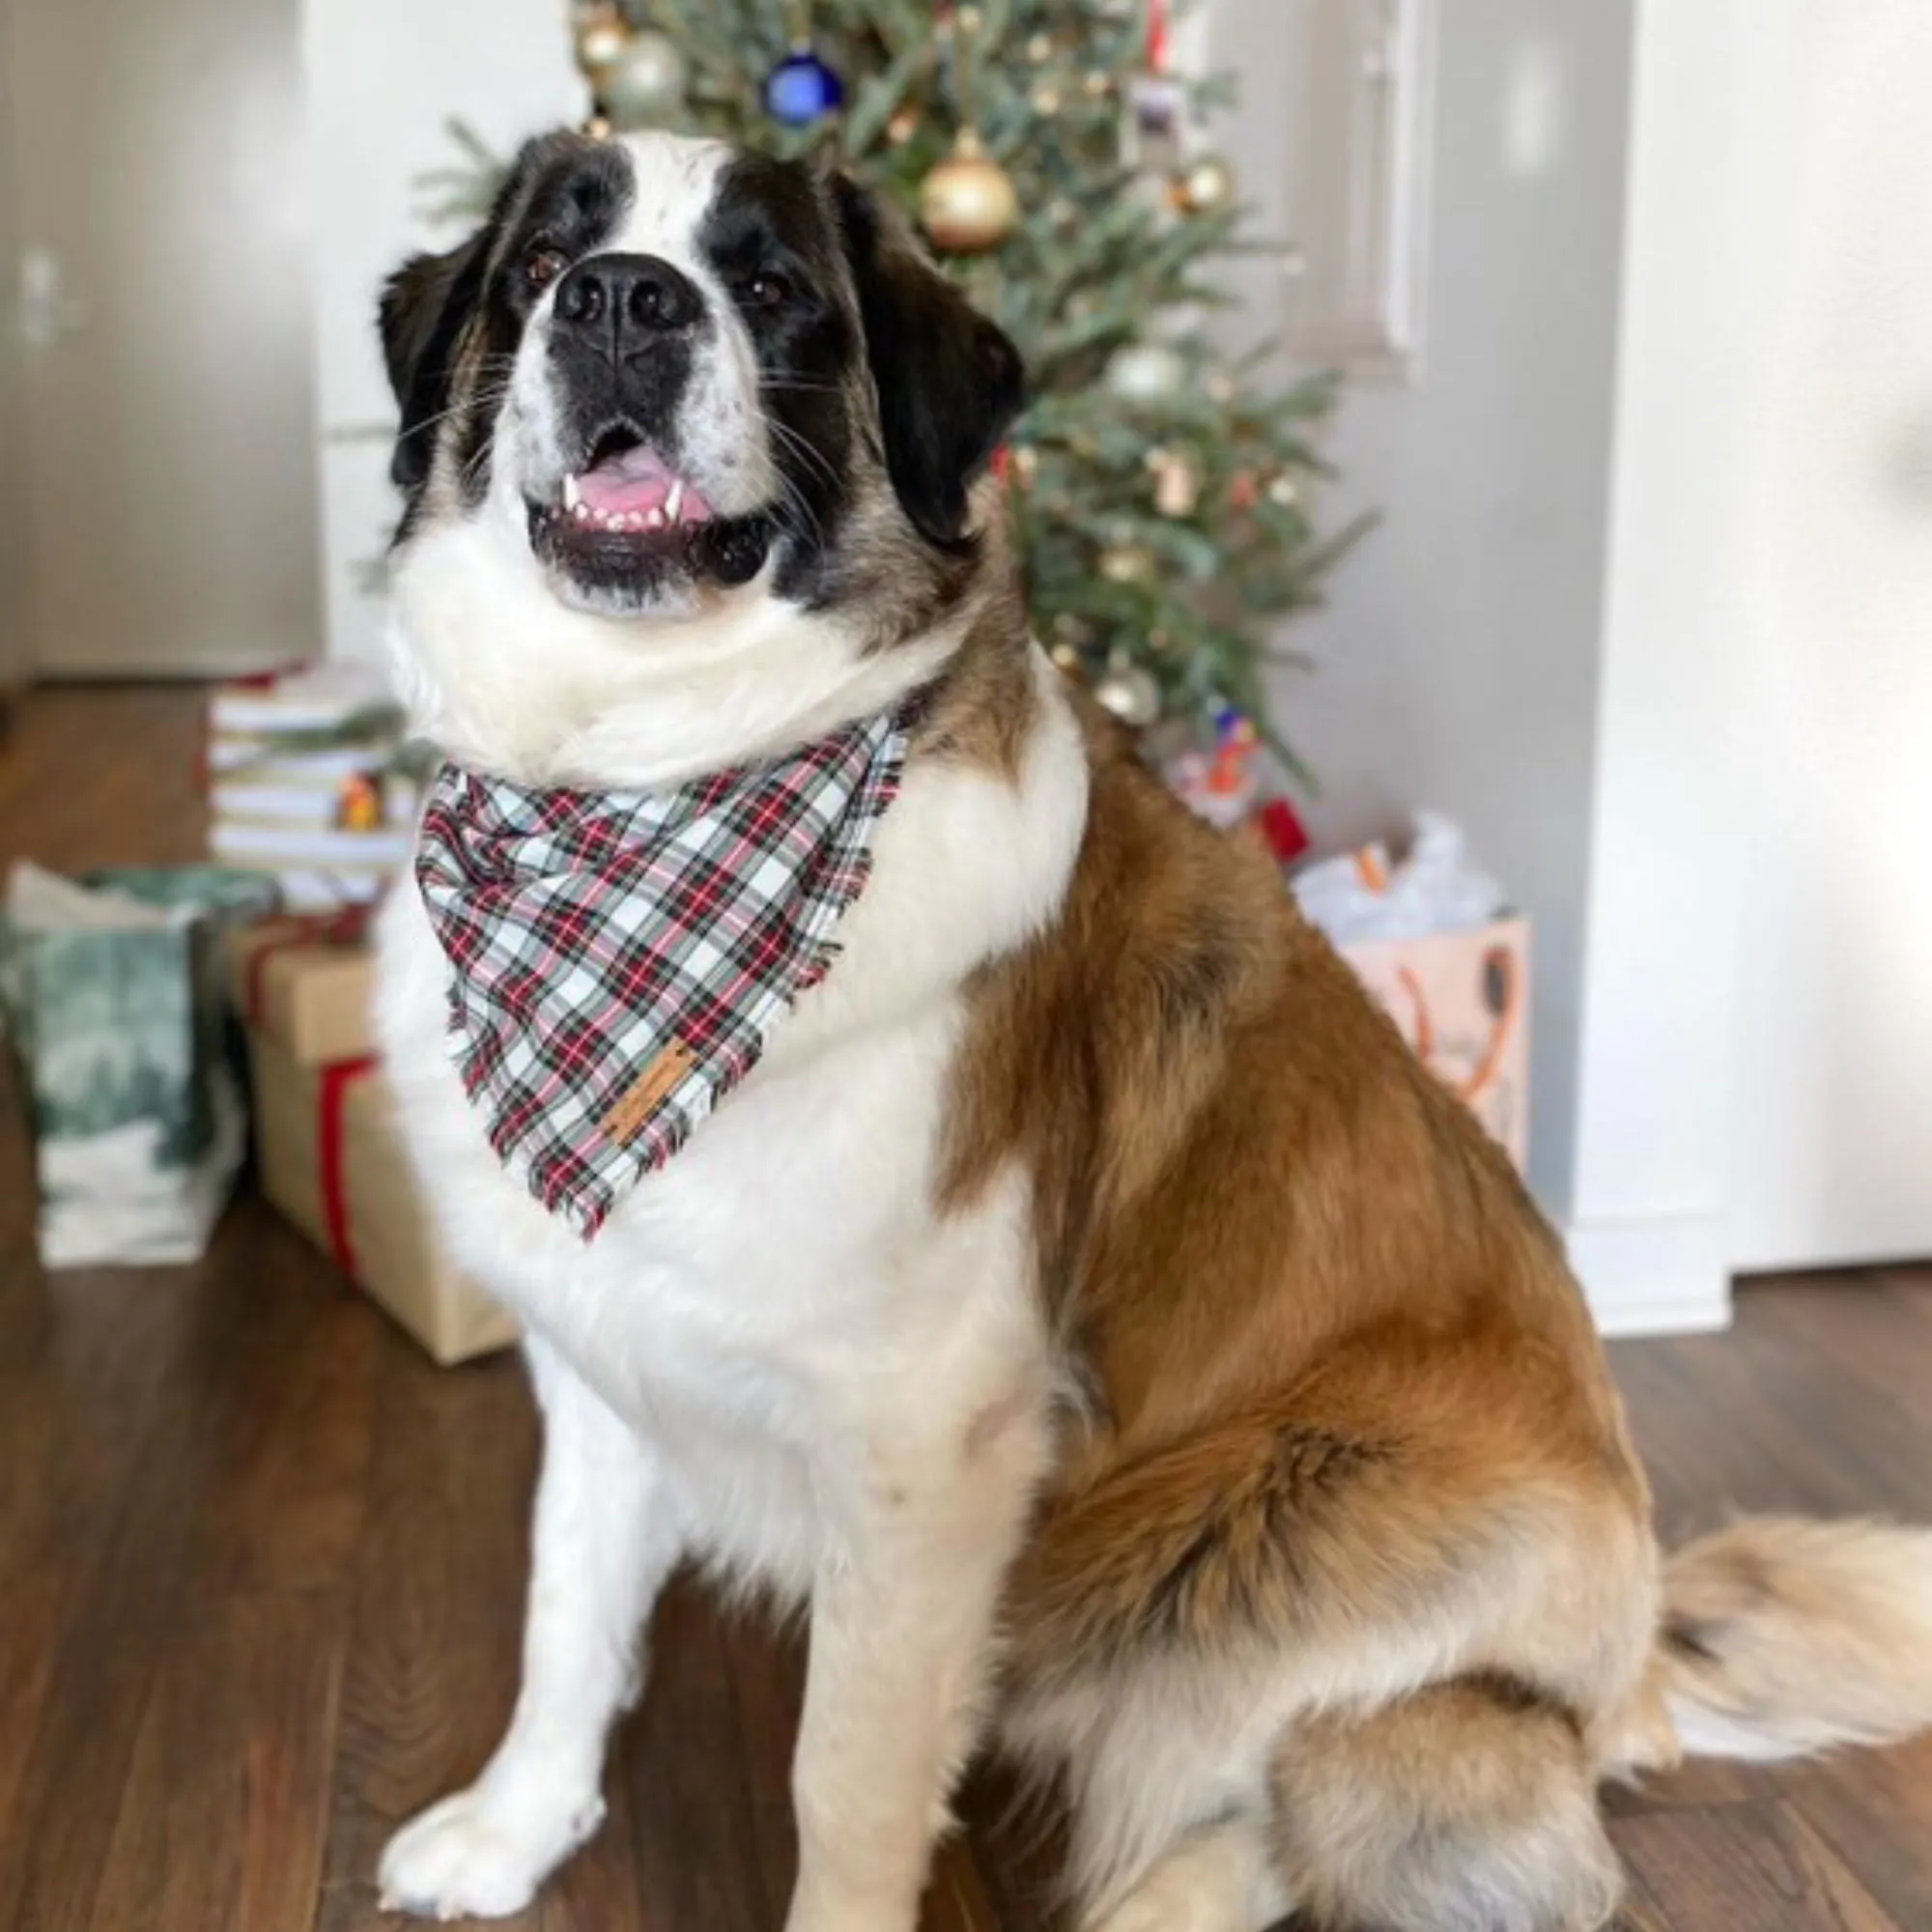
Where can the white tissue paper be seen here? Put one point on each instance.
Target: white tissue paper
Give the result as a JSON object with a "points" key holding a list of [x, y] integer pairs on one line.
{"points": [[1435, 889]]}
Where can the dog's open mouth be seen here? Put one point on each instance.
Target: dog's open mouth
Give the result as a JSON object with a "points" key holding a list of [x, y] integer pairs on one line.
{"points": [[629, 487], [628, 517]]}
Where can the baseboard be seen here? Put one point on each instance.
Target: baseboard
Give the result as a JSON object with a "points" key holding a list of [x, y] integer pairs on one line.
{"points": [[1654, 1277]]}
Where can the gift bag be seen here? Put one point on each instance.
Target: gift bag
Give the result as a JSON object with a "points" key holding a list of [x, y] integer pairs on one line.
{"points": [[1433, 938], [110, 988]]}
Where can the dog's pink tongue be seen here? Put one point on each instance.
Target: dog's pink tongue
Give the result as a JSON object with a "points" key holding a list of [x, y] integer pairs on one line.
{"points": [[636, 483]]}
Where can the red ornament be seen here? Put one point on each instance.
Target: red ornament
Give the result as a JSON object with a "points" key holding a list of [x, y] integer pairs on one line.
{"points": [[1156, 36], [1282, 831]]}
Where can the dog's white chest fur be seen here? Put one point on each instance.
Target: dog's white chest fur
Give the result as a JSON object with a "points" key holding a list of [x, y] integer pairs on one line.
{"points": [[759, 1305]]}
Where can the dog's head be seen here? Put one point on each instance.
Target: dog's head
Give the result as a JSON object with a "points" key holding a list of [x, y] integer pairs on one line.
{"points": [[684, 371]]}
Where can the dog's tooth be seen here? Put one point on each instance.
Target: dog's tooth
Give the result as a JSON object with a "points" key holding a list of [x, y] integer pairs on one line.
{"points": [[674, 502], [581, 513], [655, 518], [573, 495]]}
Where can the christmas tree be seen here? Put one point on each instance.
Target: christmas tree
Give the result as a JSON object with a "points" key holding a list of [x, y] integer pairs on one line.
{"points": [[1059, 171]]}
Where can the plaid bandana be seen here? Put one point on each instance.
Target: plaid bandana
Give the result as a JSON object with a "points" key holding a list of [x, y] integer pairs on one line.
{"points": [[618, 960]]}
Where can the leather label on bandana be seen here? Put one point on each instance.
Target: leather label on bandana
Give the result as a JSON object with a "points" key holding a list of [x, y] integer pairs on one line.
{"points": [[642, 1097]]}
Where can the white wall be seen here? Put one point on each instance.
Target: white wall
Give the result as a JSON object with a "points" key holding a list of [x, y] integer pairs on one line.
{"points": [[384, 77], [1712, 171], [1458, 655], [1790, 619]]}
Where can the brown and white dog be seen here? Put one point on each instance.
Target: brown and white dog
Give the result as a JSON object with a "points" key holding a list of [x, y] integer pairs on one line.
{"points": [[1086, 1305]]}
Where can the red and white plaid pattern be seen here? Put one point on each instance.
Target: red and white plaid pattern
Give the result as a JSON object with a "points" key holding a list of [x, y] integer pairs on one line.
{"points": [[619, 959]]}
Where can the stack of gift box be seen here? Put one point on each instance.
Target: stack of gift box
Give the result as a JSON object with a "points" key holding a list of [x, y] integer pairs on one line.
{"points": [[326, 1133], [307, 779]]}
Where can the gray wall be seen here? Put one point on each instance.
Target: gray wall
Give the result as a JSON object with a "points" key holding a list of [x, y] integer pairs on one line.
{"points": [[1458, 656]]}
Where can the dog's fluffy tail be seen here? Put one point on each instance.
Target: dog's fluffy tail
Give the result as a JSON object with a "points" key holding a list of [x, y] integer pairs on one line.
{"points": [[1781, 1637]]}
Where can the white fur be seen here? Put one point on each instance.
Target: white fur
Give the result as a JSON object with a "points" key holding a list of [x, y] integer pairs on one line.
{"points": [[774, 1356], [721, 445]]}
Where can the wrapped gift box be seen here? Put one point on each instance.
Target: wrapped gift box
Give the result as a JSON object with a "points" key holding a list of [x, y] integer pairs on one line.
{"points": [[327, 1139], [1462, 1001]]}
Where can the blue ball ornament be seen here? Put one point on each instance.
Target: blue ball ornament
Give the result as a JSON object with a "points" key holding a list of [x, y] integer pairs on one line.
{"points": [[801, 89]]}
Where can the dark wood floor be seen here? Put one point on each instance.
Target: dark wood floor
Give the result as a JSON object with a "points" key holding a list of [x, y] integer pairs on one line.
{"points": [[260, 1565]]}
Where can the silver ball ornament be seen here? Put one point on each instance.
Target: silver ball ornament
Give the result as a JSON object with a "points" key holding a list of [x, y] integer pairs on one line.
{"points": [[1128, 693], [646, 81], [1146, 372]]}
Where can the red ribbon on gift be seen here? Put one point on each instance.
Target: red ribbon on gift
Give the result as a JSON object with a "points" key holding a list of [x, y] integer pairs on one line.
{"points": [[331, 1098], [348, 927]]}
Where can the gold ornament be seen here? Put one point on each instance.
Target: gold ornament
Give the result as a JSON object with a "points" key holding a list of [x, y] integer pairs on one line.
{"points": [[1039, 48], [1025, 464], [1205, 185], [1177, 483], [1066, 658], [1221, 387], [600, 40], [968, 202], [1283, 491], [597, 128], [1045, 100], [1128, 693], [902, 127], [1127, 564], [970, 19], [1098, 84], [1062, 213]]}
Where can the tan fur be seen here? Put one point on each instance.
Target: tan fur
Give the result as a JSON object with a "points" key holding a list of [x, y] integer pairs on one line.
{"points": [[1466, 1808], [1796, 1636], [1344, 1441]]}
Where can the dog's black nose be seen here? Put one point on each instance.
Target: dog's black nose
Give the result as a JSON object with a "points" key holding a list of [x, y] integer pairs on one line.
{"points": [[626, 293]]}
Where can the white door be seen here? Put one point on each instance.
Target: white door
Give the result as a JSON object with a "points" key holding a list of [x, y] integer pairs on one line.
{"points": [[1831, 1129], [159, 316]]}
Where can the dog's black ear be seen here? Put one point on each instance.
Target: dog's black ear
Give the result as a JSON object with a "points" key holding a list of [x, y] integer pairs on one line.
{"points": [[949, 380], [424, 306]]}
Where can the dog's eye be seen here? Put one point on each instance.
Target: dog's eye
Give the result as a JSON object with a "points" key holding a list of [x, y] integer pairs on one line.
{"points": [[543, 266], [767, 291]]}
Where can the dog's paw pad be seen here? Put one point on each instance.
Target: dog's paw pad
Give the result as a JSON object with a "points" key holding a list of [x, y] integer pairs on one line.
{"points": [[475, 1857]]}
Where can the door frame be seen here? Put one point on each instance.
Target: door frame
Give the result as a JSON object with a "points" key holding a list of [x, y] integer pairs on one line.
{"points": [[17, 624]]}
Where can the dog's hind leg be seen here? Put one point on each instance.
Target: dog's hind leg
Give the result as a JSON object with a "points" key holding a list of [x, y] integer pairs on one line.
{"points": [[602, 1542], [1470, 1807]]}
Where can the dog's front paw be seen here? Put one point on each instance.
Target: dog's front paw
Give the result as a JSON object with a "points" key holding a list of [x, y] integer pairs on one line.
{"points": [[479, 1854]]}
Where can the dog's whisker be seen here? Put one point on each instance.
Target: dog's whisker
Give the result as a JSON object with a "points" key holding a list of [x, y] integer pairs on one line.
{"points": [[806, 451]]}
